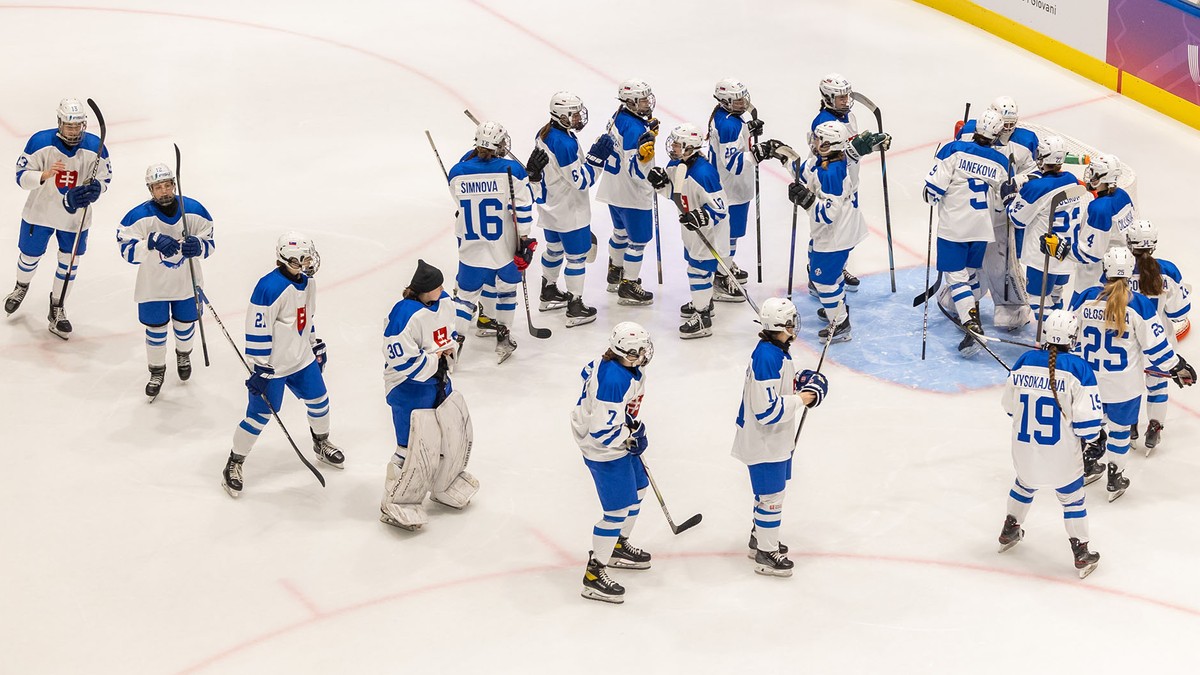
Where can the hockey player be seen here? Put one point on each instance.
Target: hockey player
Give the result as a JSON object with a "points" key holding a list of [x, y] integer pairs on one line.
{"points": [[1109, 216], [55, 167], [969, 182], [481, 184], [627, 162], [433, 426], [166, 237], [564, 212], [730, 137], [1119, 327], [1162, 283], [283, 348], [766, 426], [694, 181], [612, 437], [1054, 403]]}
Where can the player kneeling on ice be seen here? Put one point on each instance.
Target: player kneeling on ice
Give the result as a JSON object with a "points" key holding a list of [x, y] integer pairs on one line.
{"points": [[612, 438], [433, 426], [163, 236], [283, 348], [1055, 406], [766, 424]]}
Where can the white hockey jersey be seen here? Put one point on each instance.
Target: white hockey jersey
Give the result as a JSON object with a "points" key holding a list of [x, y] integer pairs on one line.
{"points": [[1021, 147], [414, 338], [624, 183], [967, 178], [159, 277], [45, 203], [729, 151], [835, 223], [766, 420], [826, 115], [484, 224], [562, 197], [1174, 303], [1031, 217], [1045, 444], [279, 323], [610, 401], [699, 187], [1120, 359]]}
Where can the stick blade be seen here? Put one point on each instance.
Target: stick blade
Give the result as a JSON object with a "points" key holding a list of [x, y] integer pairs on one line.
{"points": [[540, 333], [689, 523]]}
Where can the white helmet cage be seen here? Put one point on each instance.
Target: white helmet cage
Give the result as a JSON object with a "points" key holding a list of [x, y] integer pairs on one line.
{"points": [[298, 252], [633, 342], [1051, 151], [71, 111], [568, 110], [832, 87], [637, 97], [989, 125], [1007, 107], [1142, 234], [1119, 263], [160, 173], [829, 138], [1061, 328], [779, 314], [1102, 170], [492, 136], [684, 141], [733, 96]]}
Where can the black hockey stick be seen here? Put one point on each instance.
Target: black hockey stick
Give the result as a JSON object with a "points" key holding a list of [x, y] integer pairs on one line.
{"points": [[191, 261], [438, 155], [83, 219], [981, 340], [887, 208], [1055, 202], [930, 290], [758, 201], [539, 333], [685, 525], [792, 254], [1012, 160], [820, 362], [313, 469], [657, 237]]}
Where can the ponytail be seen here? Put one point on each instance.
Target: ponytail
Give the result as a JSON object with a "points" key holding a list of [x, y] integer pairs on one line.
{"points": [[1149, 272], [1054, 349], [1116, 295], [545, 131], [712, 116]]}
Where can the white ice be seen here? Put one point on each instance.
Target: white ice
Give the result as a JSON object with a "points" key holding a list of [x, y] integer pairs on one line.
{"points": [[120, 553]]}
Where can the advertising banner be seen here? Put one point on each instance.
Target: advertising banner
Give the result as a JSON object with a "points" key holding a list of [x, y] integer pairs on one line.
{"points": [[1158, 42], [1082, 24]]}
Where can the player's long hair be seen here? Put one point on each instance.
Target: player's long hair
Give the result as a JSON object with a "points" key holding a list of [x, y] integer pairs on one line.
{"points": [[1053, 359], [545, 131], [482, 153], [773, 336], [1116, 296], [1149, 272]]}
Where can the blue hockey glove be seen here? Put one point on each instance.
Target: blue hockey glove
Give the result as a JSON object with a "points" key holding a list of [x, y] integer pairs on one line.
{"points": [[319, 352], [694, 219], [80, 196], [800, 195], [1008, 191], [637, 439], [257, 384], [163, 244], [814, 382], [601, 150], [191, 247]]}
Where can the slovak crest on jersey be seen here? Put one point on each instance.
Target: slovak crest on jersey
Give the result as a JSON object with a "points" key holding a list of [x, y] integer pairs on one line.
{"points": [[301, 319]]}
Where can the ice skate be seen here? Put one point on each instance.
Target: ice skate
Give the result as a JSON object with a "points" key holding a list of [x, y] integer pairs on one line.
{"points": [[1133, 433], [1011, 534], [724, 290], [698, 326], [552, 297], [1117, 483], [1085, 560], [969, 346], [1093, 468], [183, 365], [812, 290], [740, 274], [58, 320], [485, 326], [772, 564], [632, 293], [579, 313], [783, 549], [614, 277], [598, 586], [1153, 435], [505, 344], [13, 302], [840, 334], [627, 556], [157, 375], [231, 477], [850, 281], [327, 452], [686, 311]]}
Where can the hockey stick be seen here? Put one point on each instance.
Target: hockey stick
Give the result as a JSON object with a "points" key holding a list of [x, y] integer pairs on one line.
{"points": [[1012, 160], [438, 155], [757, 201], [191, 261], [539, 333], [685, 525], [1055, 202], [820, 362], [83, 219], [313, 469], [931, 289], [981, 339], [887, 209], [508, 151], [657, 237], [792, 254]]}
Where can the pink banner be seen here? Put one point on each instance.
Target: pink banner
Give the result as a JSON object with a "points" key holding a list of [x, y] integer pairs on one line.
{"points": [[1158, 42]]}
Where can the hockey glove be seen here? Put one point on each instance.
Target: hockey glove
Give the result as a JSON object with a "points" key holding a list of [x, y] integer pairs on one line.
{"points": [[191, 247], [257, 384], [815, 383], [1008, 191], [637, 442], [931, 197], [646, 146], [764, 150], [1183, 374], [800, 195], [1055, 246], [524, 255], [755, 127], [538, 159], [319, 352], [600, 151], [867, 142], [652, 124], [694, 220], [165, 245], [80, 196], [658, 178]]}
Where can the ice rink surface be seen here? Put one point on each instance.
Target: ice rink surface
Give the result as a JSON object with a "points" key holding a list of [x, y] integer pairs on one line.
{"points": [[121, 553]]}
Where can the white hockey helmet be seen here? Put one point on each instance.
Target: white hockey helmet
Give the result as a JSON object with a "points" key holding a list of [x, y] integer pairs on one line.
{"points": [[492, 136], [568, 110], [684, 141], [828, 138], [1142, 234], [1061, 328], [1119, 263], [989, 125], [1051, 151], [1007, 107], [835, 93], [637, 96], [298, 252], [72, 120], [779, 314], [630, 340], [1102, 170], [733, 96], [160, 173]]}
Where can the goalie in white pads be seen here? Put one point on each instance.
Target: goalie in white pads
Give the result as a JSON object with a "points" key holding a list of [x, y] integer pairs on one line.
{"points": [[612, 437], [433, 426], [1052, 397], [766, 425]]}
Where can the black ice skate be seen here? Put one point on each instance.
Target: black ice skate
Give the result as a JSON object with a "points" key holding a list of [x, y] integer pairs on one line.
{"points": [[1093, 468], [552, 298], [485, 326], [627, 556], [1085, 560], [783, 549], [698, 325], [772, 564], [14, 299], [1153, 435], [969, 346], [840, 334], [850, 281], [1011, 534], [1133, 433], [157, 374], [724, 290], [183, 365], [598, 586], [632, 293], [579, 313], [327, 452], [614, 277], [740, 274], [231, 477], [58, 320], [686, 311], [505, 344], [1117, 483]]}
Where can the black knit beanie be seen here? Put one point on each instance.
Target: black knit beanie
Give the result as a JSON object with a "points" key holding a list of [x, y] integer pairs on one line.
{"points": [[426, 278]]}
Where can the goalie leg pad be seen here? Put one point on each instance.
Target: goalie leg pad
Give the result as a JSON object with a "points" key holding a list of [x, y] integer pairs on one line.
{"points": [[407, 484], [452, 485]]}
